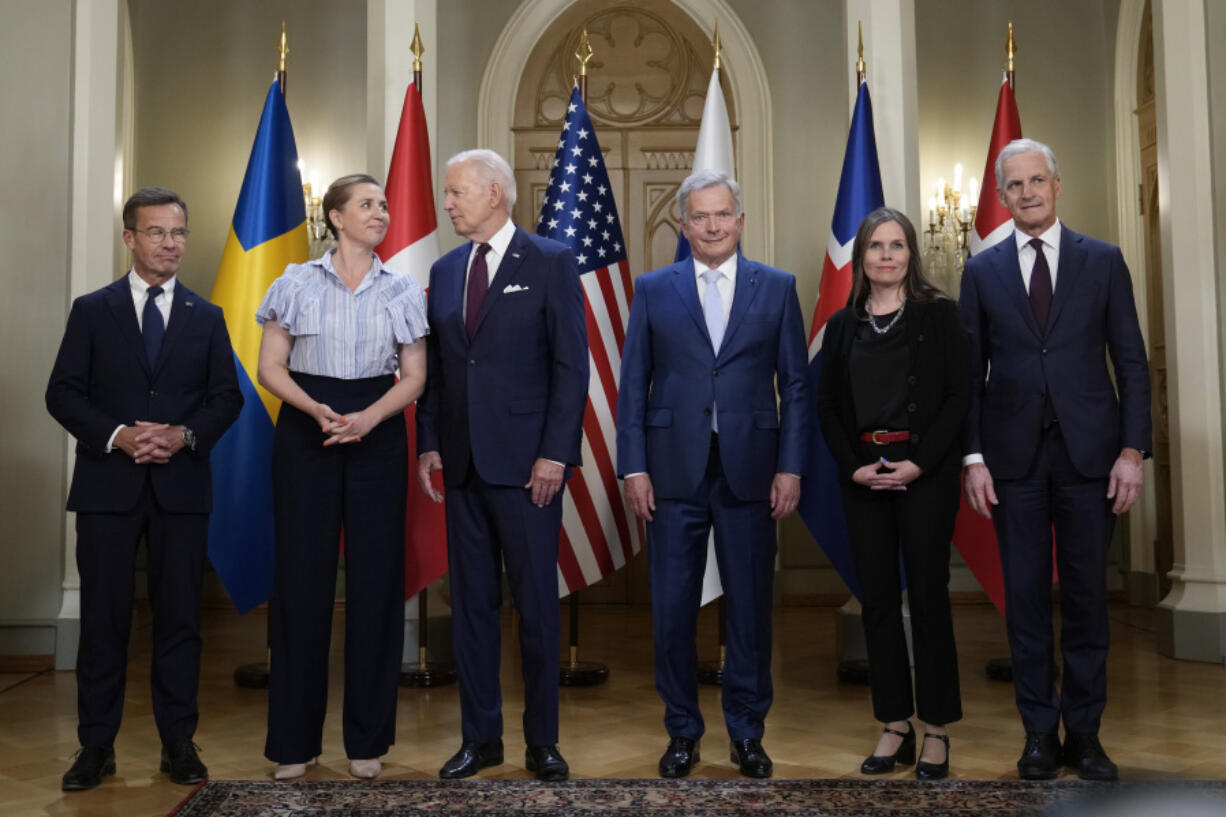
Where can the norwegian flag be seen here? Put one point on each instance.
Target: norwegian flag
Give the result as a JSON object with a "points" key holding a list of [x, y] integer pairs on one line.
{"points": [[410, 247], [599, 532], [859, 194], [992, 219]]}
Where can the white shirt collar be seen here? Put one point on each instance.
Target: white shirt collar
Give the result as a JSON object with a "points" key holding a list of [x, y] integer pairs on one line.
{"points": [[1050, 237], [500, 240], [140, 288], [728, 268]]}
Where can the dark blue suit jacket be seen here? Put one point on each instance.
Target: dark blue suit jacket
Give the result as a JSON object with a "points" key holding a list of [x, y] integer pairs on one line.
{"points": [[102, 379], [671, 376], [518, 389], [1092, 313]]}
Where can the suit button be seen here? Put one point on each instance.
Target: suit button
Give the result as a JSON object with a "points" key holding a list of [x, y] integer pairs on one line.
{"points": [[707, 412], [472, 363], [911, 407], [1044, 351], [915, 438], [153, 392], [911, 379], [715, 373], [921, 337]]}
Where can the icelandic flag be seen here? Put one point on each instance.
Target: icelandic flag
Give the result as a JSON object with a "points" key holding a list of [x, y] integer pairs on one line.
{"points": [[713, 152], [268, 232], [859, 194]]}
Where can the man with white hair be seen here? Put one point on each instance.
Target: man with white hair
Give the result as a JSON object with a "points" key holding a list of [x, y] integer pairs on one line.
{"points": [[1049, 444], [712, 417], [502, 417]]}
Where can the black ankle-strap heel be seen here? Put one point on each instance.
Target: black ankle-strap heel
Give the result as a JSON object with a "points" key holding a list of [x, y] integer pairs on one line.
{"points": [[904, 754], [934, 771]]}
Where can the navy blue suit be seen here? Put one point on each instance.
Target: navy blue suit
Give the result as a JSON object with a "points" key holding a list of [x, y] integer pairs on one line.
{"points": [[671, 377], [1055, 473], [492, 406], [102, 379]]}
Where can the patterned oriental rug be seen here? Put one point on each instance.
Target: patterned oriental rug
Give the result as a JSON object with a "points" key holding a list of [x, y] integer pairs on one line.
{"points": [[701, 798]]}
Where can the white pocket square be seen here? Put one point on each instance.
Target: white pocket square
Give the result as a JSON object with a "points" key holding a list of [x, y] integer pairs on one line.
{"points": [[514, 288]]}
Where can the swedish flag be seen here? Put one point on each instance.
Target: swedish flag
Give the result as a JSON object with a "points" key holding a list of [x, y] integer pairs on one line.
{"points": [[268, 232]]}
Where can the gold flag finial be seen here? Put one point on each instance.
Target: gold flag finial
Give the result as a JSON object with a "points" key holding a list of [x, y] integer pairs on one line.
{"points": [[417, 48], [715, 43], [861, 67], [584, 53], [1010, 48], [284, 50]]}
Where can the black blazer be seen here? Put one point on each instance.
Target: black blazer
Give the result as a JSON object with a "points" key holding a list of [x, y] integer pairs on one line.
{"points": [[102, 379], [938, 387]]}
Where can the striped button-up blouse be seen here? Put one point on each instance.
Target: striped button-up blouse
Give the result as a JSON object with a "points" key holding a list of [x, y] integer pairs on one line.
{"points": [[344, 334]]}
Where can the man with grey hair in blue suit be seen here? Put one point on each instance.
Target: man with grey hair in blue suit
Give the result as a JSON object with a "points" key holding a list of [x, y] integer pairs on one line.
{"points": [[712, 415]]}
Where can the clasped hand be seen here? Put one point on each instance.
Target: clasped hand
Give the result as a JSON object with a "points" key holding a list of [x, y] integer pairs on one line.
{"points": [[343, 428], [884, 475], [149, 443]]}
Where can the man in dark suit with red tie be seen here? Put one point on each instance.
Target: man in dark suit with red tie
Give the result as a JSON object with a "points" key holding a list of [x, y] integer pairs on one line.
{"points": [[502, 416], [1050, 444], [145, 382]]}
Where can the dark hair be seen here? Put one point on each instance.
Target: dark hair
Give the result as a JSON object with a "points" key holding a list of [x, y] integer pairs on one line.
{"points": [[149, 197], [339, 193], [916, 286]]}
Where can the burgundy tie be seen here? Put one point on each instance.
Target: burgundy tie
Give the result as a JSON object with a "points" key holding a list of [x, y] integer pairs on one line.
{"points": [[1040, 284], [478, 285]]}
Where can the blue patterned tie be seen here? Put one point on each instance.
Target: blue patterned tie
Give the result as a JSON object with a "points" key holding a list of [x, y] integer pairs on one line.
{"points": [[713, 311], [153, 327]]}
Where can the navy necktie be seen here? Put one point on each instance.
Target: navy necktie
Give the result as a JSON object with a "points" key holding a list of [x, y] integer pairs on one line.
{"points": [[478, 285], [153, 327], [1040, 284]]}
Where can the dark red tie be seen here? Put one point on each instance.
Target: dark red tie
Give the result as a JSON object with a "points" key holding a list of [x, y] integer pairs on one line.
{"points": [[478, 285], [1040, 284]]}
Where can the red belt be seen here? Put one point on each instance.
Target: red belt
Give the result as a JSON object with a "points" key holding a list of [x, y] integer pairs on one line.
{"points": [[883, 437]]}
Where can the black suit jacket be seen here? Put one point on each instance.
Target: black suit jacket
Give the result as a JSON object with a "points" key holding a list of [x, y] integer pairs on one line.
{"points": [[102, 379], [1092, 314], [938, 387], [516, 390]]}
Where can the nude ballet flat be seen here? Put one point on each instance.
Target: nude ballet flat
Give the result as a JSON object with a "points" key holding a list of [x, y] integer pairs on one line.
{"points": [[289, 771], [366, 769]]}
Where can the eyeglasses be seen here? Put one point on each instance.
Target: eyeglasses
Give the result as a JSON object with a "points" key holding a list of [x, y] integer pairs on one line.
{"points": [[157, 235], [701, 219]]}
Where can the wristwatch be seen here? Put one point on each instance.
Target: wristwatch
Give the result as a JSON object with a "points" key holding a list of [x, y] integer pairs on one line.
{"points": [[189, 438]]}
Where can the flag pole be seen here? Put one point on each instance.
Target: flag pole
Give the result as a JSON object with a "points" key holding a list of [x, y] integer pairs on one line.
{"points": [[711, 673], [423, 673], [573, 671], [255, 675]]}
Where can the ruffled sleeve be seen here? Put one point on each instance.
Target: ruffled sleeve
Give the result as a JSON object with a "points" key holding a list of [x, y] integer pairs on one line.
{"points": [[289, 304], [407, 312]]}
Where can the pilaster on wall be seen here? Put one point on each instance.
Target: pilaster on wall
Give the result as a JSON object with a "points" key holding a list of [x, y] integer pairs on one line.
{"points": [[389, 70], [889, 52], [1191, 621], [98, 174]]}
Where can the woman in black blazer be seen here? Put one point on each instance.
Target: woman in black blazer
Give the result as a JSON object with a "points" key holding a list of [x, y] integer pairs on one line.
{"points": [[894, 390]]}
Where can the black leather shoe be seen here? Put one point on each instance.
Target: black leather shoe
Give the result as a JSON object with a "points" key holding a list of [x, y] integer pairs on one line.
{"points": [[904, 754], [1040, 759], [92, 763], [934, 771], [1085, 754], [752, 759], [547, 762], [679, 758], [181, 760], [472, 758]]}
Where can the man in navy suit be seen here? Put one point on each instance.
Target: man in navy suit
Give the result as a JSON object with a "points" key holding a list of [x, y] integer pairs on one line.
{"points": [[145, 382], [701, 442], [1050, 443], [502, 416]]}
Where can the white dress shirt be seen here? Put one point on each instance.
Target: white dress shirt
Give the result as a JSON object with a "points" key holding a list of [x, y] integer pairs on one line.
{"points": [[498, 242], [140, 294], [726, 283]]}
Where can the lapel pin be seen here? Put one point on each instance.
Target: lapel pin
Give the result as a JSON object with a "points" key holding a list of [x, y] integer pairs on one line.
{"points": [[515, 255], [187, 303]]}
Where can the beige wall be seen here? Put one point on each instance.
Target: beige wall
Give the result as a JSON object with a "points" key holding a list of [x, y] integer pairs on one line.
{"points": [[1064, 86], [1215, 24], [202, 73], [35, 164]]}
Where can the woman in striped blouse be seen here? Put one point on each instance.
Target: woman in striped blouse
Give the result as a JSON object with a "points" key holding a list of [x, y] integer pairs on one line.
{"points": [[335, 331]]}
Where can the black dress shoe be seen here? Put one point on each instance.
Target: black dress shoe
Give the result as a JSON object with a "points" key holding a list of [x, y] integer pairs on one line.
{"points": [[472, 758], [547, 762], [1040, 759], [1085, 754], [92, 763], [181, 760], [679, 758], [752, 759], [904, 754], [934, 771]]}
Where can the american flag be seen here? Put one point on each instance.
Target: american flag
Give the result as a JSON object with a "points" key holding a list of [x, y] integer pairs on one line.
{"points": [[599, 533]]}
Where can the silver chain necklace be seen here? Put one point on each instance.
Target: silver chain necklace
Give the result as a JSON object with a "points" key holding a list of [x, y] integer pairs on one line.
{"points": [[872, 322]]}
